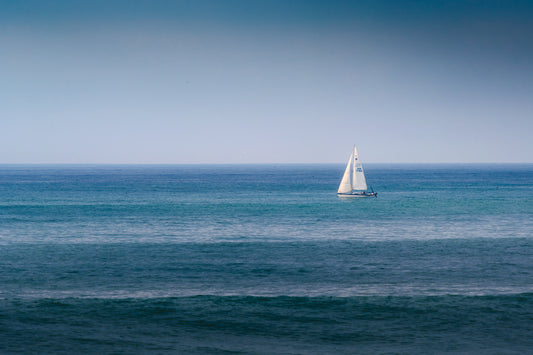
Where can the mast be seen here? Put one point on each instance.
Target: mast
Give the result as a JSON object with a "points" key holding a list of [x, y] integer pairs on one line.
{"points": [[355, 158]]}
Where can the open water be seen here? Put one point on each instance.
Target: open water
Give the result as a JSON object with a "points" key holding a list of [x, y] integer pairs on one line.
{"points": [[265, 259]]}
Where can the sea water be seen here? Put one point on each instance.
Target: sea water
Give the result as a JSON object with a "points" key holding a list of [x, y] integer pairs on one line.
{"points": [[265, 259]]}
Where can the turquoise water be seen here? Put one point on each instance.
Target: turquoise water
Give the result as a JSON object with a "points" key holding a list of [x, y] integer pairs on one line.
{"points": [[265, 259]]}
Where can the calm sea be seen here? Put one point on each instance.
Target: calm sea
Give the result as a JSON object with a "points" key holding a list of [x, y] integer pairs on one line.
{"points": [[265, 259]]}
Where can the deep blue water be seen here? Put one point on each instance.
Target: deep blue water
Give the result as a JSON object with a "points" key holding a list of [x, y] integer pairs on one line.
{"points": [[265, 259]]}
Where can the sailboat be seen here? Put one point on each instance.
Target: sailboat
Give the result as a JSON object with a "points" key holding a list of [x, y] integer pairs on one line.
{"points": [[353, 182]]}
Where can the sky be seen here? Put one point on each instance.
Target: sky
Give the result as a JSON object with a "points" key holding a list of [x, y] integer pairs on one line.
{"points": [[265, 81]]}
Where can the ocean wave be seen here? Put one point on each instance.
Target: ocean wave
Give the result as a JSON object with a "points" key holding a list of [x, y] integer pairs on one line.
{"points": [[245, 324]]}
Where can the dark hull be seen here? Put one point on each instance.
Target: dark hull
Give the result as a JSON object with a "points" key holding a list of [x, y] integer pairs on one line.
{"points": [[359, 194]]}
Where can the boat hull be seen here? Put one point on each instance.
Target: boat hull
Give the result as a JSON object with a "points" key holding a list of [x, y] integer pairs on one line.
{"points": [[358, 194]]}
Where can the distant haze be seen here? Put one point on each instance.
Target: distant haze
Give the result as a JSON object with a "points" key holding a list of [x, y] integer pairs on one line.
{"points": [[265, 81]]}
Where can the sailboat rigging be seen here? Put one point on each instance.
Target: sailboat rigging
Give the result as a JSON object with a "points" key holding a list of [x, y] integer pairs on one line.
{"points": [[353, 182]]}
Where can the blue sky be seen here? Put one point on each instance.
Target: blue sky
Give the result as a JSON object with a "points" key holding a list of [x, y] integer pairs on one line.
{"points": [[265, 81]]}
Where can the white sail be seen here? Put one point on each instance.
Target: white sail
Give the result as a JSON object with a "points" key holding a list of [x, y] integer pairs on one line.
{"points": [[354, 176], [358, 179], [346, 183]]}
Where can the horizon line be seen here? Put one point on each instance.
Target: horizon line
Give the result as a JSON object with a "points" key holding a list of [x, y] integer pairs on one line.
{"points": [[271, 163]]}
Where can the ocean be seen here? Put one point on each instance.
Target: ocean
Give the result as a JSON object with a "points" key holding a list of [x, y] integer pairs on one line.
{"points": [[265, 259]]}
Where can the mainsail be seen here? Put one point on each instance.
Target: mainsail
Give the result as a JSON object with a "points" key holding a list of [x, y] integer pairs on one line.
{"points": [[354, 176], [358, 179]]}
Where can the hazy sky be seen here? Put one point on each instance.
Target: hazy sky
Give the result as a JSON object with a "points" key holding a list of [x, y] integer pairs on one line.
{"points": [[242, 81]]}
